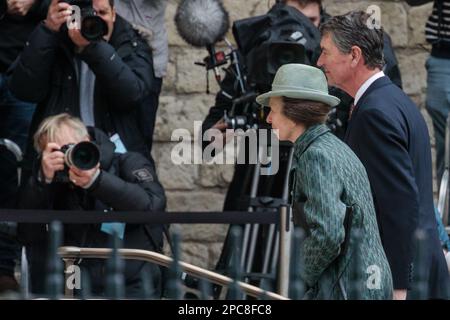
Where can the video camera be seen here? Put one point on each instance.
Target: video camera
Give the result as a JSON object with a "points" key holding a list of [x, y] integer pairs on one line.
{"points": [[92, 27], [264, 43], [84, 156]]}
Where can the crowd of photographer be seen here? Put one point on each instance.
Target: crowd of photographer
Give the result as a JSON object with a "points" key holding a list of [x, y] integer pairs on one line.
{"points": [[103, 73], [102, 82], [81, 103]]}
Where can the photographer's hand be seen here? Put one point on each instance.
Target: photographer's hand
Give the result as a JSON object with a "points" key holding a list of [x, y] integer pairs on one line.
{"points": [[19, 7], [52, 160], [78, 39], [83, 178], [58, 13], [222, 126]]}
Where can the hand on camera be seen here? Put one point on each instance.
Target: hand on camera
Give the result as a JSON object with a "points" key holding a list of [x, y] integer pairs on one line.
{"points": [[19, 7], [58, 13], [78, 39], [52, 161], [83, 178], [222, 126]]}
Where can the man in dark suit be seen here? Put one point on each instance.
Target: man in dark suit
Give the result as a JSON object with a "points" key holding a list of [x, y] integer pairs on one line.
{"points": [[389, 135]]}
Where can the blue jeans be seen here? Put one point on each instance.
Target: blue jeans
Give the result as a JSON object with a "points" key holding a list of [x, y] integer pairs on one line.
{"points": [[15, 119], [438, 105]]}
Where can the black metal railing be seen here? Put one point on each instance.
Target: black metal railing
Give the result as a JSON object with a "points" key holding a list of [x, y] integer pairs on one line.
{"points": [[237, 286]]}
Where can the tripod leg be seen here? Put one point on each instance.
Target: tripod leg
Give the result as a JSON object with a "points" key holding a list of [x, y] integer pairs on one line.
{"points": [[276, 252], [269, 256], [272, 249], [251, 252], [246, 245], [286, 227], [247, 230], [269, 249]]}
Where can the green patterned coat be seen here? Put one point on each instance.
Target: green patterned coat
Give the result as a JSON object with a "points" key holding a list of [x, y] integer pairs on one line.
{"points": [[326, 177]]}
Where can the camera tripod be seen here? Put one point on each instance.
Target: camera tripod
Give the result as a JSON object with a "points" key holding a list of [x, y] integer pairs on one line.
{"points": [[264, 258]]}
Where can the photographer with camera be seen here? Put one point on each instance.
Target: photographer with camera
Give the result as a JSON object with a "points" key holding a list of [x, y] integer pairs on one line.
{"points": [[79, 170], [283, 35], [98, 69]]}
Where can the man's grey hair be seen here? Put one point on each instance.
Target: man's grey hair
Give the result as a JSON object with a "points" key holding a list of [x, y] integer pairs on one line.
{"points": [[352, 29]]}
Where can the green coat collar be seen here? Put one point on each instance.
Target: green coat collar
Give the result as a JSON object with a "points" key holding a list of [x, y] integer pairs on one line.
{"points": [[309, 136]]}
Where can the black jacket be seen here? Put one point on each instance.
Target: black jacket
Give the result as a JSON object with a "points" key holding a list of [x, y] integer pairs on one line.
{"points": [[45, 73], [119, 187], [15, 29]]}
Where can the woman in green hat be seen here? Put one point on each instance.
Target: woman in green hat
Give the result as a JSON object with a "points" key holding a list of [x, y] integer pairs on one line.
{"points": [[330, 192]]}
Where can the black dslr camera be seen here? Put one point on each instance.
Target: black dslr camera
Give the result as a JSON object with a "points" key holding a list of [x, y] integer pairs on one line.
{"points": [[84, 156], [93, 27]]}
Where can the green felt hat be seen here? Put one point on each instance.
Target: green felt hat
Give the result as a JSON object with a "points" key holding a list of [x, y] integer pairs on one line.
{"points": [[299, 81]]}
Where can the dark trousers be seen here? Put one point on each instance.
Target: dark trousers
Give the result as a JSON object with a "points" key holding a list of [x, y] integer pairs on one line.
{"points": [[439, 125], [438, 105]]}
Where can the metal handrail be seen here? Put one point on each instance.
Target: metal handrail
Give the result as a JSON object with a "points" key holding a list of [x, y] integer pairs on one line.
{"points": [[69, 254], [15, 150]]}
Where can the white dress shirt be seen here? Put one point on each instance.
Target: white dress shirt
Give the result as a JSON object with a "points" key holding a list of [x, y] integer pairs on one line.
{"points": [[366, 85]]}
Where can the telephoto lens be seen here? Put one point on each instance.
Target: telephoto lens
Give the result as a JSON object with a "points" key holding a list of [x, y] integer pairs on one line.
{"points": [[84, 155], [93, 28]]}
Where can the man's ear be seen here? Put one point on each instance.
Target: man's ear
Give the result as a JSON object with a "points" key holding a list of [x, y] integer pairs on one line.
{"points": [[356, 54], [114, 13]]}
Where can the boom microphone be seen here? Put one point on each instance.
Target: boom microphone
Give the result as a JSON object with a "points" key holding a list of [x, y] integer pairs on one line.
{"points": [[202, 23]]}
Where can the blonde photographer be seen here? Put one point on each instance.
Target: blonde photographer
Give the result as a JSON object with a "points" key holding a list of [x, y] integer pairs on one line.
{"points": [[119, 182]]}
